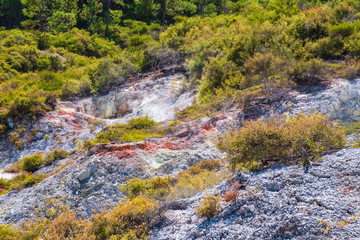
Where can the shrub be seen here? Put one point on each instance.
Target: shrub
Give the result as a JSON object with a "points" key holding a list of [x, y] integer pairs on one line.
{"points": [[308, 73], [6, 233], [349, 70], [140, 123], [155, 188], [188, 185], [185, 184], [278, 139], [15, 139], [26, 180], [56, 154], [31, 163], [66, 226], [209, 206], [129, 220], [50, 81], [136, 130], [105, 76]]}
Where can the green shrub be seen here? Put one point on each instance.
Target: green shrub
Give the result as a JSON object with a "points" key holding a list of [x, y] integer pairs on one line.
{"points": [[129, 220], [25, 180], [309, 73], [56, 154], [31, 163], [209, 206], [185, 184], [278, 139], [105, 76], [140, 123], [136, 130], [50, 81], [6, 233], [154, 188]]}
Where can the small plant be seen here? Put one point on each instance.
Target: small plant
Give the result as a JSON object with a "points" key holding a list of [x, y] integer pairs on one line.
{"points": [[57, 154], [140, 123], [26, 180], [15, 139], [93, 123], [31, 163], [209, 207]]}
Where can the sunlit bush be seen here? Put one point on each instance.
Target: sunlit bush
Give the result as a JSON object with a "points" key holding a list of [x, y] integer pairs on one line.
{"points": [[209, 206], [278, 139], [31, 163]]}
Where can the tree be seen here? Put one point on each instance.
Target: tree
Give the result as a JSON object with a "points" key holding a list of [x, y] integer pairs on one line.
{"points": [[266, 69], [37, 13], [146, 10], [180, 7], [10, 13], [59, 15], [90, 12]]}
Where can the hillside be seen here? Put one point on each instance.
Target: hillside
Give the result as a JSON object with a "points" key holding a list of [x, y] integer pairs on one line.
{"points": [[179, 119]]}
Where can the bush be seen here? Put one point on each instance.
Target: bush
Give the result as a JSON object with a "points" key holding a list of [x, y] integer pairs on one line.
{"points": [[56, 154], [26, 180], [31, 163], [154, 188], [129, 220], [278, 139], [308, 73], [105, 76], [140, 123], [6, 233], [15, 139], [209, 207], [185, 184], [136, 130], [66, 226]]}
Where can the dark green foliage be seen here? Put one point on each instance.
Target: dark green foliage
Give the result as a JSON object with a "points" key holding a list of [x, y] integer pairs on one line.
{"points": [[82, 47]]}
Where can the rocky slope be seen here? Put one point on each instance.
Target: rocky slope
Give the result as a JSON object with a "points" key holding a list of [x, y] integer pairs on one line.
{"points": [[283, 202]]}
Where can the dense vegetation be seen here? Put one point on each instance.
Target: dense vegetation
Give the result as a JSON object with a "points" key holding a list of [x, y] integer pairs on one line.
{"points": [[230, 49]]}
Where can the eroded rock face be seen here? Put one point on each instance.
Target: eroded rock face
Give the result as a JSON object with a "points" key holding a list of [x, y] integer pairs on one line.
{"points": [[86, 184], [156, 98], [284, 202], [341, 100]]}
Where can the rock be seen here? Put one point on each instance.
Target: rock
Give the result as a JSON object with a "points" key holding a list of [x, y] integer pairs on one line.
{"points": [[287, 204], [84, 175]]}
